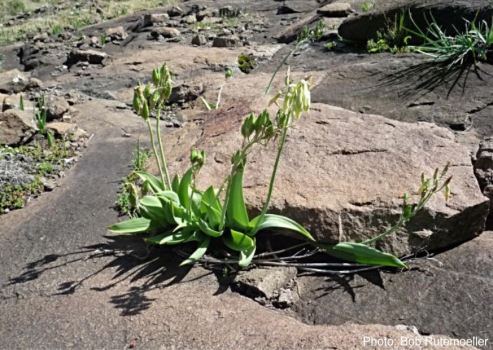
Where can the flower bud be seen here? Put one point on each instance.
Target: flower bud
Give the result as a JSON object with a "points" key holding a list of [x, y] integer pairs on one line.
{"points": [[145, 110], [407, 211], [136, 102], [147, 91], [154, 100], [193, 156], [248, 126], [156, 76], [202, 157], [447, 192]]}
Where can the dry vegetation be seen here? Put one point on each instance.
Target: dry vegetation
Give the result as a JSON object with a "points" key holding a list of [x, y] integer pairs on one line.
{"points": [[21, 19]]}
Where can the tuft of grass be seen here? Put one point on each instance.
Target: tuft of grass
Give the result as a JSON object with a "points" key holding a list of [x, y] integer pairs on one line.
{"points": [[126, 201], [472, 46], [393, 38]]}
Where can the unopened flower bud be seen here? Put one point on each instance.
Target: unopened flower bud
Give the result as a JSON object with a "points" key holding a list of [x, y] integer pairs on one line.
{"points": [[145, 110]]}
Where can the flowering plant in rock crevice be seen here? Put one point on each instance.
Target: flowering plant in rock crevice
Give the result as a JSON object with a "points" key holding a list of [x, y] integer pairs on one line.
{"points": [[172, 212]]}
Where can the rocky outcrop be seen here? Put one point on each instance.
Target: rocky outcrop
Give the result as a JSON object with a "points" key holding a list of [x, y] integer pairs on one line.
{"points": [[448, 14], [348, 168], [16, 127], [90, 56], [449, 294]]}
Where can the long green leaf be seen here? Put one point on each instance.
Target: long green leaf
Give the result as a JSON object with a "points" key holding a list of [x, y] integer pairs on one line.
{"points": [[171, 195], [279, 221], [199, 253], [154, 182], [204, 227], [175, 185], [238, 241], [184, 190], [150, 207], [236, 214], [214, 217], [131, 226], [209, 197], [362, 254], [170, 237], [195, 203]]}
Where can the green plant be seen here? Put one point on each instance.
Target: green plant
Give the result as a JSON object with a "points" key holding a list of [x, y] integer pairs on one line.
{"points": [[330, 46], [176, 212], [41, 115], [305, 36], [15, 197], [394, 38], [473, 45], [367, 6], [127, 198], [246, 63], [45, 168], [56, 29], [102, 39], [21, 102], [228, 74]]}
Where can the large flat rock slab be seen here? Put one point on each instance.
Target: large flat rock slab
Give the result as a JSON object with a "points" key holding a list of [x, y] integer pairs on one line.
{"points": [[340, 166], [451, 294], [407, 88], [65, 286]]}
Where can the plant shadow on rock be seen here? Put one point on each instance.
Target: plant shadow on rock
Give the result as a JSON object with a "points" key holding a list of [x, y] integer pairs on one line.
{"points": [[424, 78], [155, 269]]}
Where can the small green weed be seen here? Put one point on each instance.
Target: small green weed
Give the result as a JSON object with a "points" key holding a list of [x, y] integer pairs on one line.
{"points": [[330, 46], [246, 63], [45, 168], [394, 38], [56, 29], [367, 6], [126, 202], [102, 39]]}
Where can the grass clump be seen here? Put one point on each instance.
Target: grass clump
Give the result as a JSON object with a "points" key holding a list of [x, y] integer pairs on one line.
{"points": [[393, 38], [473, 45], [126, 202]]}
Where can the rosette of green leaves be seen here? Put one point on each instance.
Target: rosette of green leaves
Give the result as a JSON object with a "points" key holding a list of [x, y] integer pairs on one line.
{"points": [[184, 214]]}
